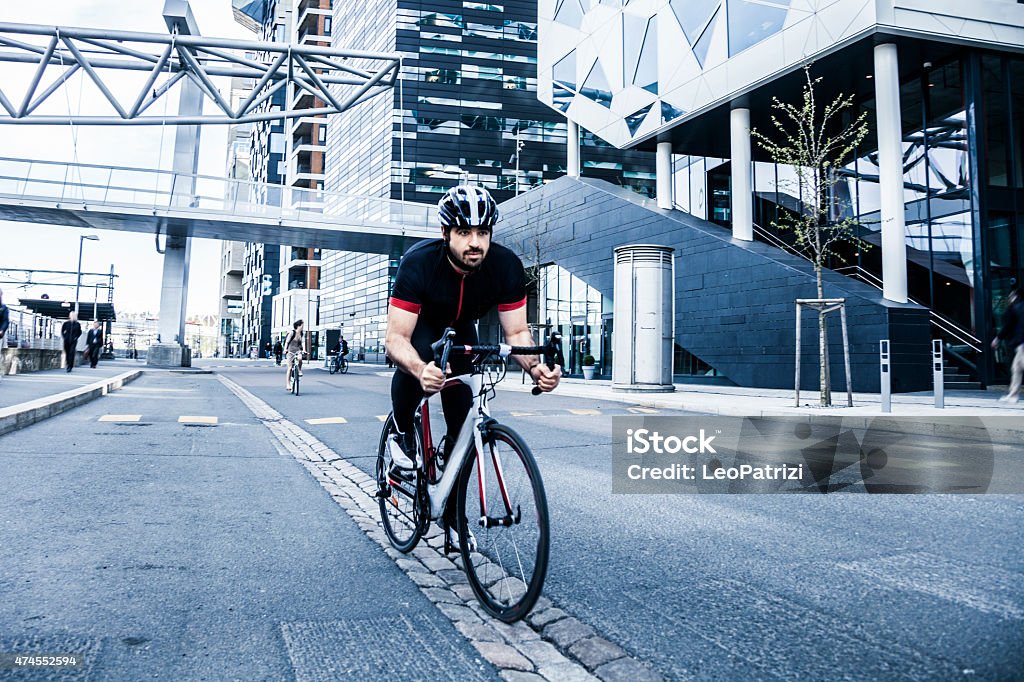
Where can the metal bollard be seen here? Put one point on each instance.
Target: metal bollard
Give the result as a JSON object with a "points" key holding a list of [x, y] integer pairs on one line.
{"points": [[885, 375], [938, 375]]}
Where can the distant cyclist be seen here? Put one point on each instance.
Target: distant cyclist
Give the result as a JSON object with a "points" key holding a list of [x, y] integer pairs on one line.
{"points": [[294, 346], [453, 282]]}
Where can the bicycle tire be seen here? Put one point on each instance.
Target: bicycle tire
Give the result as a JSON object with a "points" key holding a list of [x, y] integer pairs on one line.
{"points": [[506, 587], [295, 379], [400, 507], [344, 366], [331, 367]]}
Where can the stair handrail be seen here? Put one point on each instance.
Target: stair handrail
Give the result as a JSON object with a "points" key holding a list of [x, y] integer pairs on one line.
{"points": [[857, 272]]}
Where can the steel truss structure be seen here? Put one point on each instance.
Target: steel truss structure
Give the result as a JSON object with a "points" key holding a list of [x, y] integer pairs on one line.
{"points": [[329, 75]]}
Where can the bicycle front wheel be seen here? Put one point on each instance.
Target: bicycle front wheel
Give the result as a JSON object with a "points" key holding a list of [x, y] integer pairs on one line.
{"points": [[344, 366], [332, 367], [503, 525], [295, 379], [397, 496]]}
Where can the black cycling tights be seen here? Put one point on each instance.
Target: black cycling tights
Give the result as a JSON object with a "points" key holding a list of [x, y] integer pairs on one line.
{"points": [[406, 394]]}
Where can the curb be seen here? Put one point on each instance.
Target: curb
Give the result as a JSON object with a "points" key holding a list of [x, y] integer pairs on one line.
{"points": [[21, 415], [549, 645]]}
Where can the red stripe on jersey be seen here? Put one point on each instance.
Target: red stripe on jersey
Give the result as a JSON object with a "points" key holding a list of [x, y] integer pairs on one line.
{"points": [[413, 308], [505, 307]]}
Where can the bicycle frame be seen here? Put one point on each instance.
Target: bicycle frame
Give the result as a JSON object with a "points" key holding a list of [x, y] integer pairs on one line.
{"points": [[470, 437]]}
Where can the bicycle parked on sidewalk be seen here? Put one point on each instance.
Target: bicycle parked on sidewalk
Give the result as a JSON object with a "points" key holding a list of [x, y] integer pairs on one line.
{"points": [[504, 550], [338, 364]]}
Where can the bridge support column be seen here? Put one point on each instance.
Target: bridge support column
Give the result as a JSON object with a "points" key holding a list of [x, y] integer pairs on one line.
{"points": [[171, 349]]}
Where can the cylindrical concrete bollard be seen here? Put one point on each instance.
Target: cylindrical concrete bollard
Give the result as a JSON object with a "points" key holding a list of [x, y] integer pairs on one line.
{"points": [[643, 336]]}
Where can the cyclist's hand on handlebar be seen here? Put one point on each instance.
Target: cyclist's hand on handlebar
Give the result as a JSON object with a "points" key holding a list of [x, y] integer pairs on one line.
{"points": [[431, 378], [546, 378]]}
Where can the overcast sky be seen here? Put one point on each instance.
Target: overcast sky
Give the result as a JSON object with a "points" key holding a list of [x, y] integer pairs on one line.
{"points": [[133, 255]]}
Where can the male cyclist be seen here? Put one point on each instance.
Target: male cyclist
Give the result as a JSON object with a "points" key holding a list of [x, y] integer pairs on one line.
{"points": [[453, 282], [294, 346]]}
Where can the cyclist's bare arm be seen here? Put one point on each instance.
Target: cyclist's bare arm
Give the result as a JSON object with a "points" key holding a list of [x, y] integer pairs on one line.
{"points": [[398, 341], [517, 333]]}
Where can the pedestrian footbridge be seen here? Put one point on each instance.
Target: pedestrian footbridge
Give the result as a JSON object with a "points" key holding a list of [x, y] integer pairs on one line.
{"points": [[179, 205]]}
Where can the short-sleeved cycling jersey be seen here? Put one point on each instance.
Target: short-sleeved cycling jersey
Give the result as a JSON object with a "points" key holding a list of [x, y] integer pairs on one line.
{"points": [[428, 284]]}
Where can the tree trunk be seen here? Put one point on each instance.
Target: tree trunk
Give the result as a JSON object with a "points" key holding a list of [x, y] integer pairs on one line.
{"points": [[825, 392]]}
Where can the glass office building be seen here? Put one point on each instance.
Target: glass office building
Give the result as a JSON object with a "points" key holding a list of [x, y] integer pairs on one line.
{"points": [[465, 109]]}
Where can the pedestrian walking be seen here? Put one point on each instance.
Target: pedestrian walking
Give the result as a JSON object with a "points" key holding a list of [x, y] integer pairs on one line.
{"points": [[5, 322], [70, 331], [1012, 332], [94, 343], [278, 351]]}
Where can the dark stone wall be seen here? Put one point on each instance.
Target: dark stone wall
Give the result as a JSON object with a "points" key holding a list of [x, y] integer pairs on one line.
{"points": [[735, 300]]}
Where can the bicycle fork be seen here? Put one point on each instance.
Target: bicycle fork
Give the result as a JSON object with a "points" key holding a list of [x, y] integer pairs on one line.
{"points": [[486, 521]]}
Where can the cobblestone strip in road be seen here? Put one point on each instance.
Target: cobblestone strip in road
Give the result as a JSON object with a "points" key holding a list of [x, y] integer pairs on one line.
{"points": [[549, 644]]}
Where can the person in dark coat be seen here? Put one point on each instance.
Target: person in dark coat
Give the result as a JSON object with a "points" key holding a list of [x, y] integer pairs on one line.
{"points": [[5, 322], [70, 331], [1012, 332], [94, 343]]}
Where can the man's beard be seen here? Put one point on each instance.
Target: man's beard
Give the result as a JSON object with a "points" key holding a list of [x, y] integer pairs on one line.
{"points": [[461, 264]]}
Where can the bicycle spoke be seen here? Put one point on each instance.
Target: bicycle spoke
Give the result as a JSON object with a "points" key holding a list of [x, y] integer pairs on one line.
{"points": [[508, 568]]}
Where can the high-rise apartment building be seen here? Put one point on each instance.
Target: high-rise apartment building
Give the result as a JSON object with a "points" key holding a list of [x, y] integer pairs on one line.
{"points": [[281, 280], [465, 109], [232, 254]]}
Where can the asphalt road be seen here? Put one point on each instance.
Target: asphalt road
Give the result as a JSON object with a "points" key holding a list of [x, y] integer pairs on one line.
{"points": [[191, 552], [752, 587], [164, 550]]}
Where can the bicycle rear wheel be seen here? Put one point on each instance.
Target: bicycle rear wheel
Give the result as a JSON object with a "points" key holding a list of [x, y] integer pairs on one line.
{"points": [[507, 565], [397, 497]]}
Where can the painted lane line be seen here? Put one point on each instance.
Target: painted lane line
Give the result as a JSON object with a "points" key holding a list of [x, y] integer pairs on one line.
{"points": [[586, 412], [382, 417], [120, 418], [327, 420], [522, 414], [642, 410], [197, 419]]}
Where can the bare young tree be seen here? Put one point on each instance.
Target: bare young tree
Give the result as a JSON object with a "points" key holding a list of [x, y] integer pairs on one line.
{"points": [[815, 144]]}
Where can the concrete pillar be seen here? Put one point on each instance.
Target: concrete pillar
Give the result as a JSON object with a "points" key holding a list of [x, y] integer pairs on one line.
{"points": [[170, 350], [742, 184], [890, 173], [663, 170], [174, 291], [572, 149]]}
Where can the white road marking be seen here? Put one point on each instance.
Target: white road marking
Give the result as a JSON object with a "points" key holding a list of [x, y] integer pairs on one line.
{"points": [[196, 419], [327, 420], [120, 418]]}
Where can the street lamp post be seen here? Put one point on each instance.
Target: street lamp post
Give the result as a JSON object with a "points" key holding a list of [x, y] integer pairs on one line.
{"points": [[78, 282]]}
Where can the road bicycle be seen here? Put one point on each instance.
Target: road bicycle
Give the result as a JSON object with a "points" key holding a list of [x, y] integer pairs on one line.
{"points": [[294, 372], [504, 550], [338, 363]]}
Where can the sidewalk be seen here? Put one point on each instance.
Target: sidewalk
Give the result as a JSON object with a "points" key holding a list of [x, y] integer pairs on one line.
{"points": [[759, 402], [22, 388]]}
